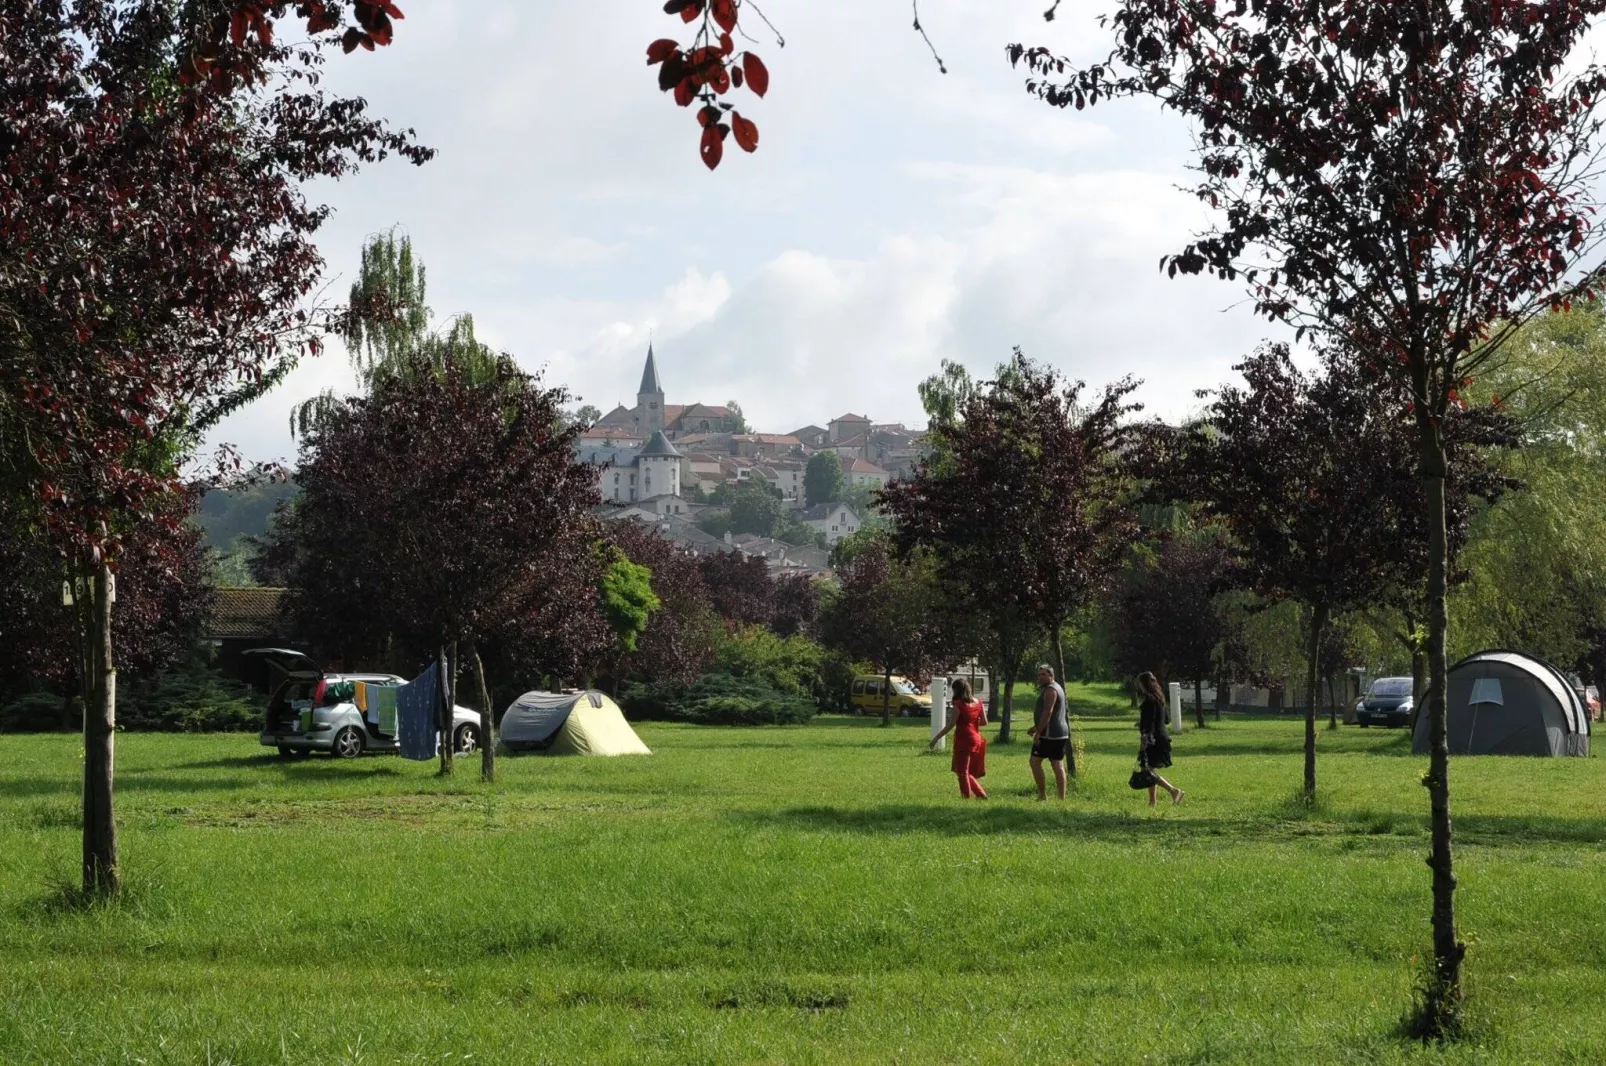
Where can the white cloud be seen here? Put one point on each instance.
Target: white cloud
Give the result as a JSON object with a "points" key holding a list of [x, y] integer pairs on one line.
{"points": [[892, 217]]}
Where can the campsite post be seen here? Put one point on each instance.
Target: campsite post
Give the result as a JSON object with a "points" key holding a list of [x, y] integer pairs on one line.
{"points": [[939, 710]]}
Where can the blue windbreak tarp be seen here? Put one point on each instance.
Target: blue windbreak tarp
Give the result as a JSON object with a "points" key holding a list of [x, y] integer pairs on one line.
{"points": [[417, 705]]}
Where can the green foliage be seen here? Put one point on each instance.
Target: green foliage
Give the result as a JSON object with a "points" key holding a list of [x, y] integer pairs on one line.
{"points": [[192, 700], [716, 522], [226, 515], [38, 712], [1537, 559], [790, 665], [755, 507], [231, 567], [791, 529], [737, 422], [718, 699], [628, 601], [822, 479], [388, 332]]}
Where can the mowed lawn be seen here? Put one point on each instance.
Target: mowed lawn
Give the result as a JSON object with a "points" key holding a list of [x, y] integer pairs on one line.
{"points": [[805, 895]]}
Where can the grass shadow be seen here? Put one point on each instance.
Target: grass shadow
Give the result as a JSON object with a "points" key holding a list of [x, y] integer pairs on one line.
{"points": [[1290, 818]]}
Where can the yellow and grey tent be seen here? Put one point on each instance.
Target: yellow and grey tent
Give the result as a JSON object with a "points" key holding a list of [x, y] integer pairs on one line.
{"points": [[569, 723]]}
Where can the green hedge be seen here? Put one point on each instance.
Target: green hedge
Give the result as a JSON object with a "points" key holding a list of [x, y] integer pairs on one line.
{"points": [[180, 701], [717, 699]]}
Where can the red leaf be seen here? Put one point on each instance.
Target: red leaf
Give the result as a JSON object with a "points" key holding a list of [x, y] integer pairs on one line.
{"points": [[758, 75], [713, 146], [349, 41], [708, 116], [691, 11], [683, 92], [726, 45], [736, 76], [721, 80], [746, 132], [725, 14], [661, 49], [237, 27]]}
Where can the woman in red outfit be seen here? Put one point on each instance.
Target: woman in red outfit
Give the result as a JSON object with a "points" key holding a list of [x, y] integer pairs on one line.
{"points": [[970, 747]]}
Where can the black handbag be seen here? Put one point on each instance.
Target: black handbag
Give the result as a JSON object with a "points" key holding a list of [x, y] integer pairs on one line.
{"points": [[1142, 778]]}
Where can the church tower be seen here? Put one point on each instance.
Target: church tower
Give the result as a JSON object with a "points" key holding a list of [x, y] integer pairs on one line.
{"points": [[650, 399]]}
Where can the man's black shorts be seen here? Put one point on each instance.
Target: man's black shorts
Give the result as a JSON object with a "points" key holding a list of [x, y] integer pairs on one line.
{"points": [[1051, 749]]}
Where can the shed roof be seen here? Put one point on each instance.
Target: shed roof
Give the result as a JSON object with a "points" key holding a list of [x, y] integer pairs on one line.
{"points": [[245, 613]]}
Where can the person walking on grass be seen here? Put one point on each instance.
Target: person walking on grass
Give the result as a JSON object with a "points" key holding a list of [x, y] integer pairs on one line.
{"points": [[1051, 735], [1154, 743], [970, 747]]}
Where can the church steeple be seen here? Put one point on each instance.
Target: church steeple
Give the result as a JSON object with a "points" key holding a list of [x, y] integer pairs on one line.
{"points": [[650, 398], [649, 376]]}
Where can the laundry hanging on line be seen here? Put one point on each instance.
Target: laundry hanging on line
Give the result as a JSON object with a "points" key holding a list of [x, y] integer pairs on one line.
{"points": [[418, 705]]}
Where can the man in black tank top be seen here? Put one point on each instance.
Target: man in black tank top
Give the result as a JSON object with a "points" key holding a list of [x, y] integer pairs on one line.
{"points": [[1051, 735]]}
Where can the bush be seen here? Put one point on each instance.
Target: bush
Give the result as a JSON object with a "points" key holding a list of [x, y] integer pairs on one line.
{"points": [[195, 699], [36, 712], [190, 701], [790, 665], [717, 699]]}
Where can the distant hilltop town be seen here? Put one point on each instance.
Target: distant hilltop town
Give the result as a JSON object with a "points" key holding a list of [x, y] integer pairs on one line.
{"points": [[659, 461]]}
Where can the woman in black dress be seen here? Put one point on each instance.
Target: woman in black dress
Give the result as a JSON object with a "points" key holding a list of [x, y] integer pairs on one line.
{"points": [[1154, 747]]}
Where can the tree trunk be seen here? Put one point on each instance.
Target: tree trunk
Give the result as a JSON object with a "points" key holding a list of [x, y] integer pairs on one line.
{"points": [[1007, 716], [487, 718], [886, 697], [1317, 622], [1059, 665], [443, 717], [994, 708], [1223, 697], [1198, 703], [1332, 704], [1599, 664], [102, 877], [1444, 995]]}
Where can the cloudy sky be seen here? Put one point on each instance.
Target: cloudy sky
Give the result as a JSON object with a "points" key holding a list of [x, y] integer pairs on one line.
{"points": [[892, 217]]}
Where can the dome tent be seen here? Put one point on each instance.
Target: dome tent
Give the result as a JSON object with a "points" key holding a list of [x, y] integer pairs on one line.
{"points": [[1508, 703], [569, 723]]}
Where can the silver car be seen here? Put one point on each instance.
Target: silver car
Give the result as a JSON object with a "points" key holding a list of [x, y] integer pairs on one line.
{"points": [[308, 713]]}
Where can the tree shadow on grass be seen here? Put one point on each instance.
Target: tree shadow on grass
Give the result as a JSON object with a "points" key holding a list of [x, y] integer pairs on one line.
{"points": [[983, 819], [164, 778]]}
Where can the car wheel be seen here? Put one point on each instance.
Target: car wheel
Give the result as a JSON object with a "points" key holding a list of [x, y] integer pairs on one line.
{"points": [[286, 751], [1361, 724], [348, 744], [858, 712], [466, 741]]}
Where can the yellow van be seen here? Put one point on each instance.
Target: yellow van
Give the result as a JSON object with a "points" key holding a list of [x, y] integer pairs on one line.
{"points": [[904, 701]]}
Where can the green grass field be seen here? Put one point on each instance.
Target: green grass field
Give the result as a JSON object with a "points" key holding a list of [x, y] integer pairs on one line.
{"points": [[814, 895]]}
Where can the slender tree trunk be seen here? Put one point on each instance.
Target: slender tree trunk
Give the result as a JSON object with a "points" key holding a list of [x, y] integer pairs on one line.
{"points": [[886, 697], [1007, 717], [1599, 664], [1317, 622], [444, 718], [1223, 697], [1059, 665], [102, 876], [1198, 702], [1444, 996], [487, 718], [1332, 704]]}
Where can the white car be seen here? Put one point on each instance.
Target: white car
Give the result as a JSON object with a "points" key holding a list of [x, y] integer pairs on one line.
{"points": [[313, 711]]}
